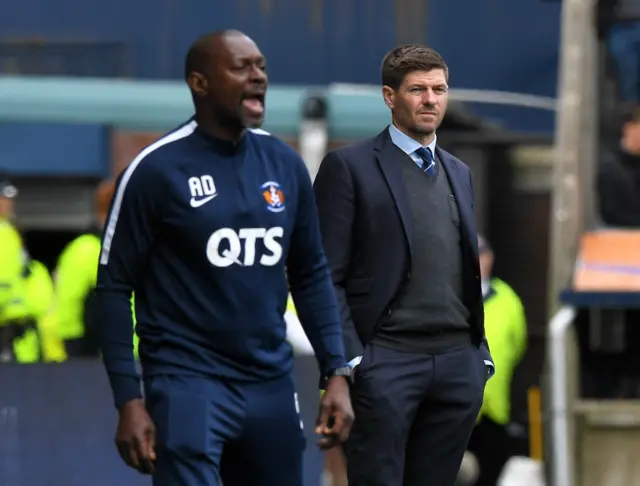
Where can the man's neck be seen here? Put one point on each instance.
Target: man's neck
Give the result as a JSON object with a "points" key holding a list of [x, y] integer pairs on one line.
{"points": [[219, 130], [422, 139]]}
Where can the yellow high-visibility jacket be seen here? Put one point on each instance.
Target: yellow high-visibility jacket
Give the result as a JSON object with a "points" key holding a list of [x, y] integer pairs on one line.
{"points": [[12, 301], [42, 343], [506, 330], [75, 279]]}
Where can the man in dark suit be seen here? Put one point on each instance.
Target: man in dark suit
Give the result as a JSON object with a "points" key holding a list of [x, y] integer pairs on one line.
{"points": [[397, 219]]}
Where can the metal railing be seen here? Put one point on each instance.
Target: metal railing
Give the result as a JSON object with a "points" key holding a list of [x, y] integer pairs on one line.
{"points": [[562, 467]]}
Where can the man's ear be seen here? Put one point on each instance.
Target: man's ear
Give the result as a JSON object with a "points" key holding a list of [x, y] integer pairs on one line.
{"points": [[197, 84], [389, 96]]}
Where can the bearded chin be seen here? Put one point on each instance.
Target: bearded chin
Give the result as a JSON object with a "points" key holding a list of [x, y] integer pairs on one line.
{"points": [[247, 122], [422, 130], [252, 123]]}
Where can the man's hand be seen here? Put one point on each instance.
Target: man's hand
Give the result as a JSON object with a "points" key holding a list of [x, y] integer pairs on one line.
{"points": [[136, 437], [336, 415]]}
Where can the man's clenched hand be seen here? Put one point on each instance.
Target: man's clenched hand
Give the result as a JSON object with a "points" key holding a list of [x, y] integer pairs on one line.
{"points": [[335, 417], [136, 437]]}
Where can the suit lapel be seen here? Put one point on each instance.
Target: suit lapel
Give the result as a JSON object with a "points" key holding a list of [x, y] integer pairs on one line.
{"points": [[461, 193], [390, 159]]}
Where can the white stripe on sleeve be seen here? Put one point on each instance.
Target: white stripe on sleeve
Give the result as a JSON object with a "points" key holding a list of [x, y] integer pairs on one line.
{"points": [[178, 134]]}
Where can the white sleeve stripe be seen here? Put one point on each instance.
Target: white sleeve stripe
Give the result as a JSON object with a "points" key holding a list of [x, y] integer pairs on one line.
{"points": [[259, 131], [181, 132]]}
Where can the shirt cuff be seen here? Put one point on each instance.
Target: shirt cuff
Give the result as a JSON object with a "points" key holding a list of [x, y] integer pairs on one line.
{"points": [[491, 367], [355, 362], [125, 388]]}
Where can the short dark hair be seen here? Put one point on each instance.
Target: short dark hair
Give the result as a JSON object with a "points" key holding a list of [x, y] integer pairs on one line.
{"points": [[408, 58], [196, 58], [203, 48]]}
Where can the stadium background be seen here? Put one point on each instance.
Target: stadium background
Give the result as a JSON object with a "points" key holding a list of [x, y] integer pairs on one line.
{"points": [[58, 138]]}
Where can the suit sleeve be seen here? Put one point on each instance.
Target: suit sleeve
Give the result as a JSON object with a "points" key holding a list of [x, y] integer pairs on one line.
{"points": [[336, 207], [310, 281], [485, 344], [131, 225]]}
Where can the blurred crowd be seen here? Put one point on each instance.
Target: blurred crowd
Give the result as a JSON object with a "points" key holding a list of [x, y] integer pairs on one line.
{"points": [[618, 179], [45, 319]]}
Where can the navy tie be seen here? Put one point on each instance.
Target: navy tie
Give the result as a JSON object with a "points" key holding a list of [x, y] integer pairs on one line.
{"points": [[428, 162]]}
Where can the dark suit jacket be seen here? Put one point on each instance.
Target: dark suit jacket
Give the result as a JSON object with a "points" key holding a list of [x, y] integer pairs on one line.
{"points": [[365, 219]]}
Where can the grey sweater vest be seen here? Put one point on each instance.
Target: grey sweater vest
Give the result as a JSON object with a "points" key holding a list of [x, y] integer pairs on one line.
{"points": [[429, 314]]}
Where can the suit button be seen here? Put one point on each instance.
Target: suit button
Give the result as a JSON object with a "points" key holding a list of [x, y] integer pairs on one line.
{"points": [[389, 311]]}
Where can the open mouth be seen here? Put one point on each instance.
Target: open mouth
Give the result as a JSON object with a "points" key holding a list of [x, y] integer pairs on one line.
{"points": [[254, 103]]}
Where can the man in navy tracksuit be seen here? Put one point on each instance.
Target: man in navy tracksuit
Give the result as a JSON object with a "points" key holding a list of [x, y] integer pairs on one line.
{"points": [[201, 227]]}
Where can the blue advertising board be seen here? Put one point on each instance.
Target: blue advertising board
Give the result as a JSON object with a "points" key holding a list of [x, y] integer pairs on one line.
{"points": [[57, 424]]}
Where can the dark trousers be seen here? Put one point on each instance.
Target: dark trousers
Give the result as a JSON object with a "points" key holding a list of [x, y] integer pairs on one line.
{"points": [[491, 445], [414, 415], [211, 432]]}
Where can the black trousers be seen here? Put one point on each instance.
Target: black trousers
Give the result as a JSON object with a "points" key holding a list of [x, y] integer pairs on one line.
{"points": [[414, 416], [491, 445]]}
